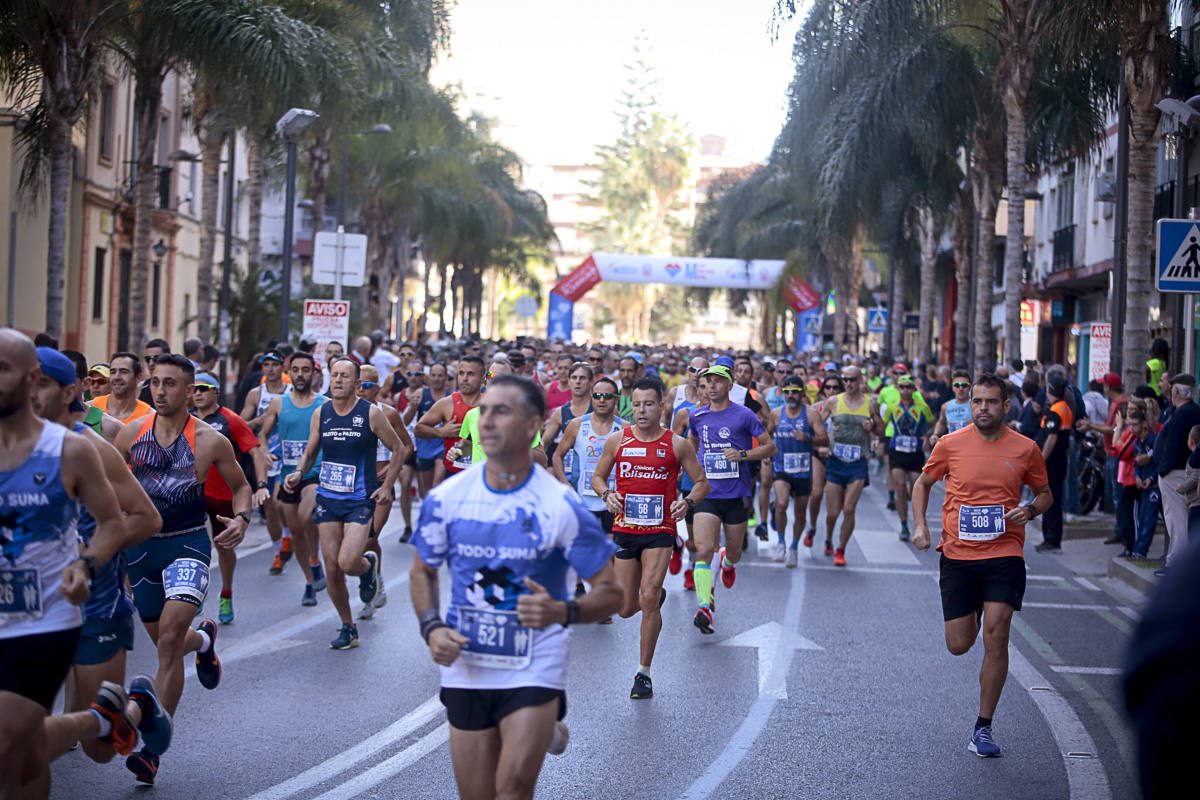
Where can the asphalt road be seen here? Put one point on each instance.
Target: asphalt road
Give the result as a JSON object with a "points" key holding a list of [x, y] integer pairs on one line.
{"points": [[820, 682]]}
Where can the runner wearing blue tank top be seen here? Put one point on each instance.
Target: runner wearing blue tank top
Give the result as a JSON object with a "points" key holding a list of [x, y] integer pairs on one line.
{"points": [[258, 400], [955, 414], [417, 399], [797, 429], [343, 434], [46, 474], [109, 724], [292, 414], [169, 453]]}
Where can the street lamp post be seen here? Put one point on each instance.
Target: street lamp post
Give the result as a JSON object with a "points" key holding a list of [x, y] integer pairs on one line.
{"points": [[226, 267], [290, 126]]}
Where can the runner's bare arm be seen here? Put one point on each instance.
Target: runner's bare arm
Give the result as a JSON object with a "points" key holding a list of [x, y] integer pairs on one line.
{"points": [[685, 454], [444, 642], [566, 443], [251, 404], [110, 427], [80, 464], [920, 504], [537, 609], [381, 426], [766, 448], [820, 436], [142, 519], [680, 423], [552, 426], [221, 456], [608, 456], [436, 422], [268, 420], [1043, 498], [401, 432], [939, 429], [258, 455]]}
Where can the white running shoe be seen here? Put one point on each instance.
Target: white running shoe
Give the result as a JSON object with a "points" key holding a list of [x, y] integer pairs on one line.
{"points": [[777, 552], [368, 611], [381, 598], [791, 558]]}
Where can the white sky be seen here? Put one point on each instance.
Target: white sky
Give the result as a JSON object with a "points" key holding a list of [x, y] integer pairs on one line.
{"points": [[551, 70]]}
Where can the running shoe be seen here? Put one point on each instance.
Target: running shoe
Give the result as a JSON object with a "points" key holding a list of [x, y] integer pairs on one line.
{"points": [[790, 561], [156, 726], [704, 620], [276, 566], [761, 532], [558, 742], [891, 504], [404, 537], [380, 599], [144, 766], [347, 638], [368, 582], [904, 533], [728, 574], [839, 558], [110, 704], [1048, 548], [689, 580], [829, 547], [981, 743], [778, 552], [208, 666], [318, 573], [225, 612], [808, 536], [368, 611], [310, 596], [643, 688], [285, 549], [676, 562]]}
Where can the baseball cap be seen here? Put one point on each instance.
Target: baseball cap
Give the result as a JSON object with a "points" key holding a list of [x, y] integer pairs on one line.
{"points": [[720, 370], [309, 340], [905, 380], [899, 367], [103, 370], [1056, 385], [723, 361], [272, 354], [61, 369], [636, 356], [1112, 379], [204, 379]]}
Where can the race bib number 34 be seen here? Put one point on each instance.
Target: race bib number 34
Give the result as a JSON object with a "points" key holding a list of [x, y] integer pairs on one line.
{"points": [[20, 594], [495, 639], [980, 523]]}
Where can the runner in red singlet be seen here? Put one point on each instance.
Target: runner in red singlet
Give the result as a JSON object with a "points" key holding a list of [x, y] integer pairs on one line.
{"points": [[444, 420]]}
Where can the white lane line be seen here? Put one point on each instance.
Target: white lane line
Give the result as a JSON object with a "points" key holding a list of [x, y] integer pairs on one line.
{"points": [[1129, 612], [774, 686], [347, 759], [882, 570], [1086, 670], [1085, 774], [1085, 583], [1059, 578], [264, 641], [388, 769], [1068, 606]]}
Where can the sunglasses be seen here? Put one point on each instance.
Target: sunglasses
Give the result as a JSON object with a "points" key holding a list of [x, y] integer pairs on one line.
{"points": [[367, 384], [603, 395], [850, 379], [781, 370], [413, 374], [594, 359], [961, 385], [793, 389], [202, 388], [831, 387], [694, 370]]}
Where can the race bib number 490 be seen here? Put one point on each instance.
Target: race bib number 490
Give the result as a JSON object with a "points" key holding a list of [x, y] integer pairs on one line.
{"points": [[20, 594], [495, 639], [980, 523], [717, 467]]}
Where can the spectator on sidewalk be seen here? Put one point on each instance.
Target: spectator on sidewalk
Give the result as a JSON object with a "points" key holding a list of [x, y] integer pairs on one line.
{"points": [[1110, 428], [1156, 365], [1170, 458], [1095, 404], [1127, 490], [1057, 423], [1145, 475], [1191, 484], [1030, 418]]}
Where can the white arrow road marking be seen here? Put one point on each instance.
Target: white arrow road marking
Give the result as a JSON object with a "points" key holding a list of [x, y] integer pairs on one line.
{"points": [[769, 639]]}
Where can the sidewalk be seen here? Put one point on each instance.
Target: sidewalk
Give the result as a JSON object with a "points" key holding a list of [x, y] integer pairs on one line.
{"points": [[1085, 553]]}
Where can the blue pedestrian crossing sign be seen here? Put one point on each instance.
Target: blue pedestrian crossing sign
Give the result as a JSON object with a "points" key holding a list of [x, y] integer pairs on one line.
{"points": [[1177, 248], [877, 320], [812, 324]]}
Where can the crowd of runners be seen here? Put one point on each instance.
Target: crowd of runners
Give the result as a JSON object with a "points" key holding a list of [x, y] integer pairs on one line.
{"points": [[550, 479]]}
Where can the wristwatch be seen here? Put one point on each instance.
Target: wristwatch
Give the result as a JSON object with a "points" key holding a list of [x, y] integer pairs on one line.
{"points": [[691, 504], [1032, 511], [244, 516], [572, 613], [743, 454], [90, 564], [261, 485]]}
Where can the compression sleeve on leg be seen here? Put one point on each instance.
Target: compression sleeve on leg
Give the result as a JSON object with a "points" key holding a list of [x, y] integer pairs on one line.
{"points": [[703, 576]]}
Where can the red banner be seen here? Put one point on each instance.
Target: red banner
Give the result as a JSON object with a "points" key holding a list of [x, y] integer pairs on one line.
{"points": [[579, 281], [800, 296]]}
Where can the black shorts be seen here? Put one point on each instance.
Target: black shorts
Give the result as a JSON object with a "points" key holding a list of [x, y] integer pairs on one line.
{"points": [[909, 462], [480, 709], [605, 518], [411, 461], [35, 666], [293, 498], [967, 585], [731, 510], [799, 487], [631, 545]]}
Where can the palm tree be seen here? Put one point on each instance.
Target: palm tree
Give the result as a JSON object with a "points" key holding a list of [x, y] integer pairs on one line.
{"points": [[51, 53]]}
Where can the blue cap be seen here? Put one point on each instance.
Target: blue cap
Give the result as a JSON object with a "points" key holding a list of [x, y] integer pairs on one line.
{"points": [[62, 369], [723, 361], [636, 356]]}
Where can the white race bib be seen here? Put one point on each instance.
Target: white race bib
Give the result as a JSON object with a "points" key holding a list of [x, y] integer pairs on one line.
{"points": [[20, 595], [905, 444], [338, 477], [644, 509], [797, 463], [847, 452], [495, 639], [717, 467], [980, 523], [293, 451]]}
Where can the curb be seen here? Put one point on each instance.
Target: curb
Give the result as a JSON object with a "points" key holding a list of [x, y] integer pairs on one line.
{"points": [[1140, 578]]}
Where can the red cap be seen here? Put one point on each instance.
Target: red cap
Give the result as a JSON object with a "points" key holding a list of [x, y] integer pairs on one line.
{"points": [[1112, 379], [899, 367]]}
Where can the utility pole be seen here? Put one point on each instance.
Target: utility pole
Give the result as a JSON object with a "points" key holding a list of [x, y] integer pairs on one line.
{"points": [[1116, 356], [226, 266]]}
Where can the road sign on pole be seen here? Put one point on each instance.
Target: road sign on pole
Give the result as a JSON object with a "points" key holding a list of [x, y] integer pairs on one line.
{"points": [[877, 320], [1178, 254], [328, 246], [329, 321]]}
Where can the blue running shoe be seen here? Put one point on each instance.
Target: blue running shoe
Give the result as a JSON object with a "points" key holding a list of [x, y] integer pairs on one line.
{"points": [[226, 612], [982, 744], [347, 638], [368, 582], [208, 666], [156, 726], [318, 573]]}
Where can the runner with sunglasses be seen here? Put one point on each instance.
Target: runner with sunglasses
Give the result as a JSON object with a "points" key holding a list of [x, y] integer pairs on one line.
{"points": [[258, 400], [955, 414], [855, 417], [830, 388], [797, 429], [909, 421]]}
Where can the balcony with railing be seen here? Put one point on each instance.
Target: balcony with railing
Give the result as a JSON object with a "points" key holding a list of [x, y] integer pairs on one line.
{"points": [[1063, 255]]}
